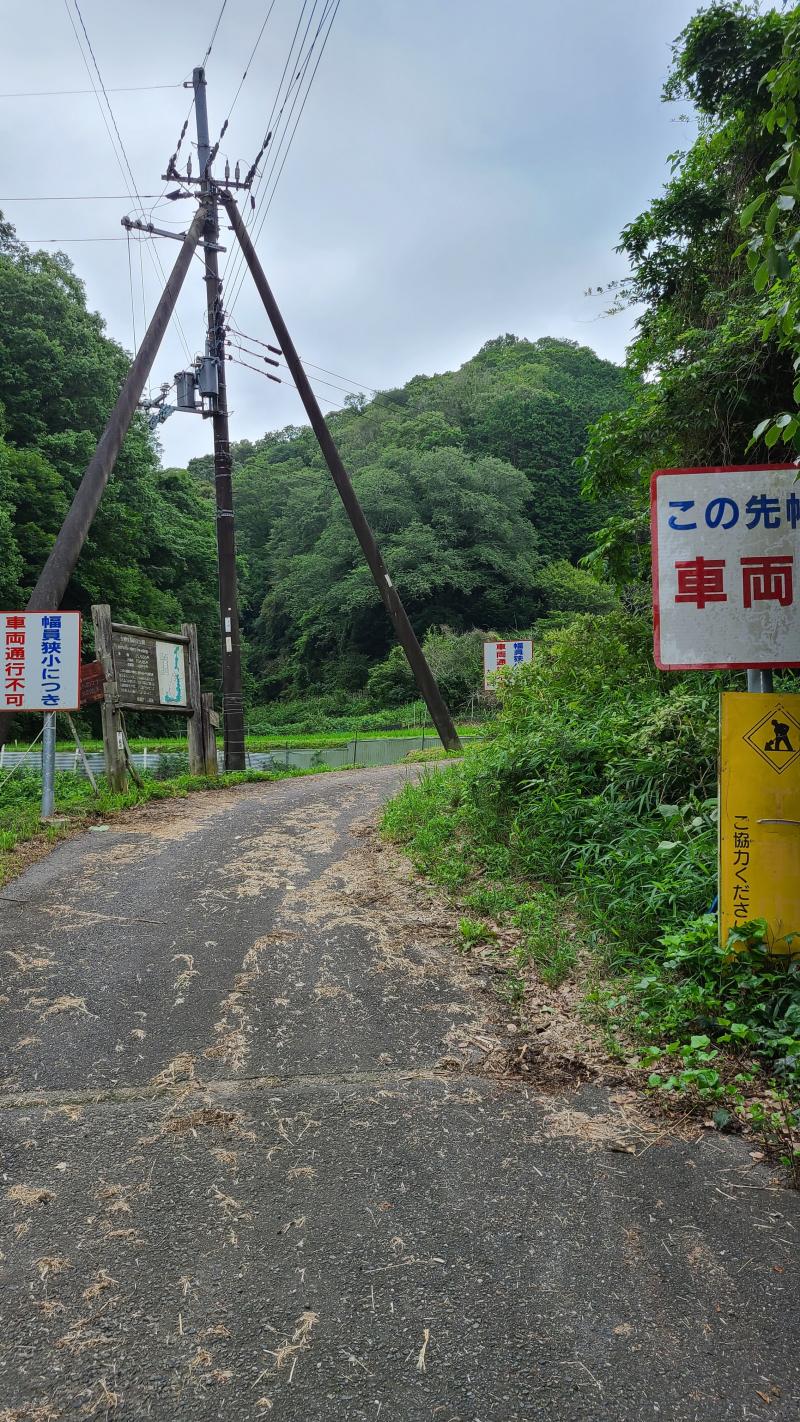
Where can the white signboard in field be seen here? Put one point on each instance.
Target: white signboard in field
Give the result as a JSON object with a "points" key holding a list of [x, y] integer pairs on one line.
{"points": [[42, 661], [497, 656], [726, 568]]}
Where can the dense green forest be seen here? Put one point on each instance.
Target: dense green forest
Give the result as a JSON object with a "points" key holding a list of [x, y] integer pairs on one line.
{"points": [[468, 478], [151, 550]]}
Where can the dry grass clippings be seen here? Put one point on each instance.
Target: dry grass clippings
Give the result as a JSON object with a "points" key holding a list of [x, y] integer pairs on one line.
{"points": [[29, 1195]]}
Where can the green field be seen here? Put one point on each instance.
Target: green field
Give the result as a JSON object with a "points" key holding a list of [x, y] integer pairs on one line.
{"points": [[176, 745]]}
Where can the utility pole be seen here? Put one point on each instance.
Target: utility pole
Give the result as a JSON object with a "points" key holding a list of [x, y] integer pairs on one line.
{"points": [[232, 705]]}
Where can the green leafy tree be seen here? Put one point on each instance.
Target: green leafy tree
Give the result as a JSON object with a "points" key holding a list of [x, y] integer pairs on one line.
{"points": [[705, 374], [772, 250], [151, 549]]}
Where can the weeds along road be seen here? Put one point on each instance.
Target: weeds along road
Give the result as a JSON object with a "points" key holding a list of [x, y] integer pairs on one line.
{"points": [[262, 1157]]}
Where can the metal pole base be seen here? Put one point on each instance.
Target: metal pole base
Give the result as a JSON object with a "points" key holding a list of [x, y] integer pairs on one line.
{"points": [[48, 765], [759, 679]]}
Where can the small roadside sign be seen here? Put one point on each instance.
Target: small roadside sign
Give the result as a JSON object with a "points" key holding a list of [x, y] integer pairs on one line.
{"points": [[41, 669], [93, 678], [759, 819], [725, 567], [499, 656]]}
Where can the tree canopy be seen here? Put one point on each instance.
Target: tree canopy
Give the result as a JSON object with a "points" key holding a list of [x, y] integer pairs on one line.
{"points": [[151, 551], [708, 368], [468, 479]]}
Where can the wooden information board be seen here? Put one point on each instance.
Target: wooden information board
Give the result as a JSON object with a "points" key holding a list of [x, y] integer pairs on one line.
{"points": [[150, 671], [145, 670]]}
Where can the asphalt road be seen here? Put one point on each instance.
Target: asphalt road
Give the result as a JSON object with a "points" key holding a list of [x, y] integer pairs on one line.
{"points": [[258, 1160]]}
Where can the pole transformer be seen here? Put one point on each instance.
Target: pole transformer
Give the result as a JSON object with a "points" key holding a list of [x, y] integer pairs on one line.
{"points": [[232, 704], [426, 681]]}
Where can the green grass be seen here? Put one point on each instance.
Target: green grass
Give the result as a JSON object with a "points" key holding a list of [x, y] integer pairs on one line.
{"points": [[427, 819], [79, 806], [277, 740]]}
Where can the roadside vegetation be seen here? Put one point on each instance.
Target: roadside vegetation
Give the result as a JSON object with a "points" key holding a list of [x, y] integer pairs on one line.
{"points": [[591, 801]]}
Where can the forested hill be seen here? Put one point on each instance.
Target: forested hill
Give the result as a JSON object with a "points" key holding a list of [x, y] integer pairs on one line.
{"points": [[468, 479], [151, 550]]}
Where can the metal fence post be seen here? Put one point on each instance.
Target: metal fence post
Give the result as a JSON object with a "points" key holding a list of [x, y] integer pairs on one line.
{"points": [[48, 764]]}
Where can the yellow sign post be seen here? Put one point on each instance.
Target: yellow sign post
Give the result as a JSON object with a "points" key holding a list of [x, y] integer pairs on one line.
{"points": [[759, 815]]}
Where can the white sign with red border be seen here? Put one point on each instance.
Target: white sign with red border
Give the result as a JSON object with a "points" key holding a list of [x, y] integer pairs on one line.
{"points": [[498, 656], [41, 663], [726, 567]]}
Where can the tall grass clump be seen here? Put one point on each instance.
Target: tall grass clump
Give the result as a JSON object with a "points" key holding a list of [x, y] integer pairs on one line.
{"points": [[598, 775]]}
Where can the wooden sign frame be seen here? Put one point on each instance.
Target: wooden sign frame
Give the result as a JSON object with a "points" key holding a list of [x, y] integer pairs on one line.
{"points": [[198, 707]]}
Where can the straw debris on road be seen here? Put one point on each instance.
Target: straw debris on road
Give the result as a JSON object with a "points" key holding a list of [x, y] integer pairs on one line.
{"points": [[273, 1150]]}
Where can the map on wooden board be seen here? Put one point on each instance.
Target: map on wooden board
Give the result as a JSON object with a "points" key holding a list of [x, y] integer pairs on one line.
{"points": [[171, 671], [149, 672]]}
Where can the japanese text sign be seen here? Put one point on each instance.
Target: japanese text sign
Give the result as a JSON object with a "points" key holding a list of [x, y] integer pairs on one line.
{"points": [[726, 567], [759, 815], [149, 672], [41, 667], [497, 656]]}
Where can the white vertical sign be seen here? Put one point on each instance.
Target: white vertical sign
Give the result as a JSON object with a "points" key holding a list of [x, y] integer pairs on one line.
{"points": [[42, 661], [725, 567], [498, 656]]}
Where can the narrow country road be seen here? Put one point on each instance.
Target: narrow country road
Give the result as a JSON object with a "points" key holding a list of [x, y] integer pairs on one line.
{"points": [[258, 1158]]}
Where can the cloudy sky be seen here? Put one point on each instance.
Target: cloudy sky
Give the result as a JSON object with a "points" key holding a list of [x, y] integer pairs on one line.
{"points": [[460, 169]]}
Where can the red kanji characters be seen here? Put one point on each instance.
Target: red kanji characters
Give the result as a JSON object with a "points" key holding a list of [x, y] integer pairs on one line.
{"points": [[701, 580], [768, 580]]}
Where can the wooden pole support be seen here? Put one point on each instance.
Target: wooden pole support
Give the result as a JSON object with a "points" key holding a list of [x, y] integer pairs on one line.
{"points": [[113, 735], [79, 751], [194, 724], [210, 723]]}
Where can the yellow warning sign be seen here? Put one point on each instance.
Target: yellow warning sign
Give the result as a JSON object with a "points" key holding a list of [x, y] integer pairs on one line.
{"points": [[759, 819]]}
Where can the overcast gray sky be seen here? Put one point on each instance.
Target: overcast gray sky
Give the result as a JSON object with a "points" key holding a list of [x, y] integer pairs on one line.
{"points": [[461, 169]]}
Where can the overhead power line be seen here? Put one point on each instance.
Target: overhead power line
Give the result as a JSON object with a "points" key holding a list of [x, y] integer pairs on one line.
{"points": [[78, 197], [329, 14], [213, 35], [278, 379], [123, 163], [250, 59], [355, 384], [299, 116], [317, 379], [173, 160], [45, 241], [235, 264], [57, 93]]}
